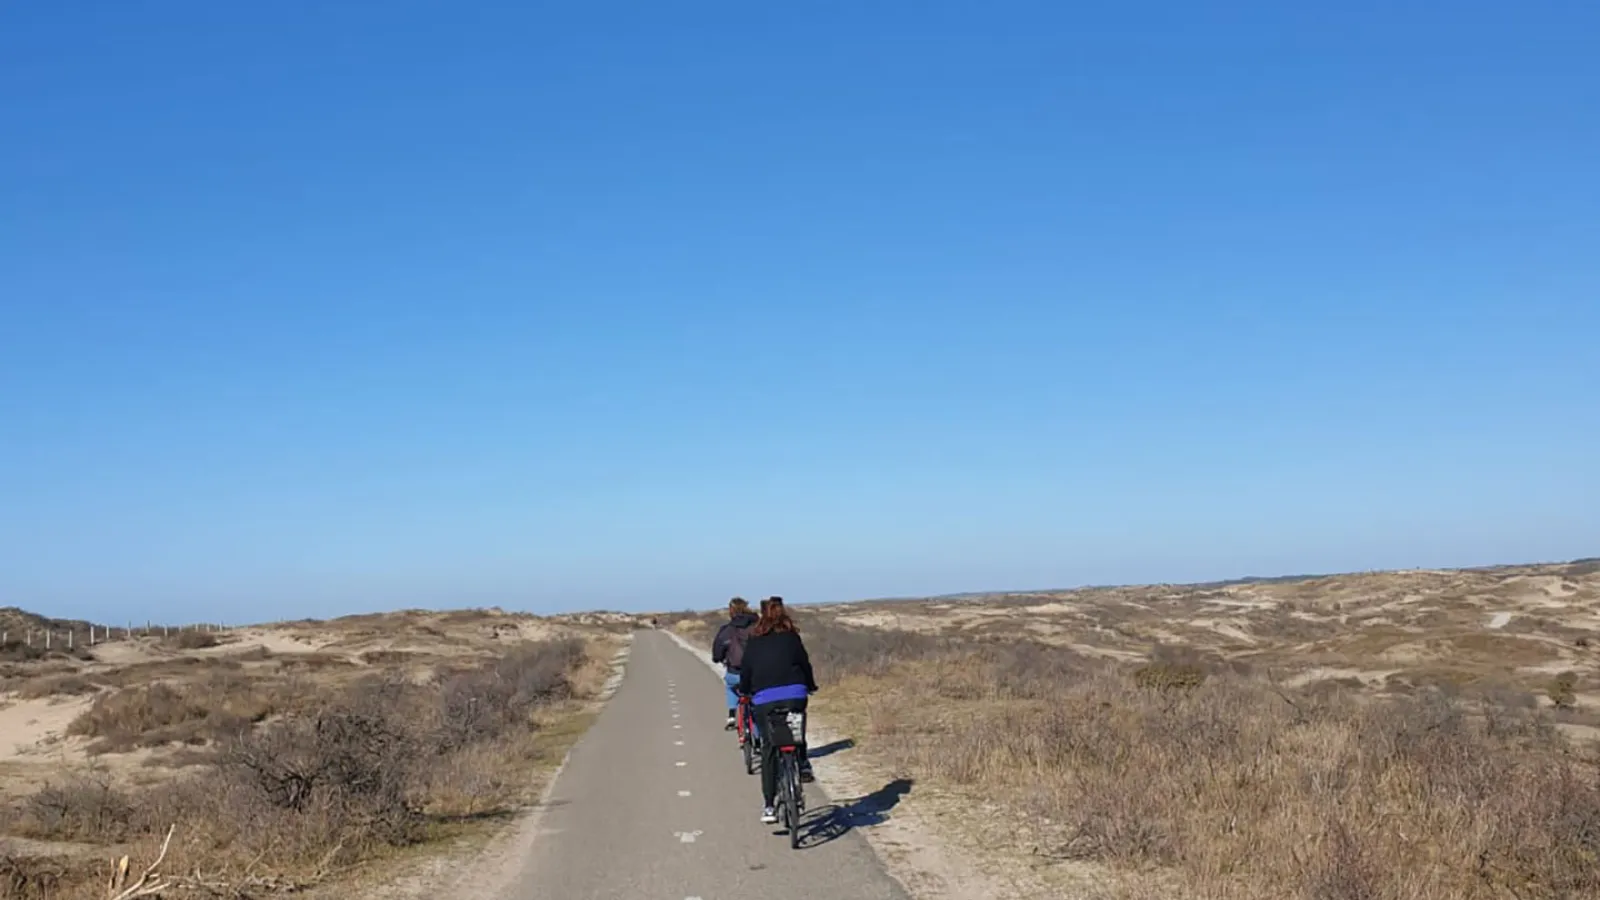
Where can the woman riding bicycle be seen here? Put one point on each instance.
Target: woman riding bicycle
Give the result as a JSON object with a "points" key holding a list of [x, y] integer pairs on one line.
{"points": [[776, 676]]}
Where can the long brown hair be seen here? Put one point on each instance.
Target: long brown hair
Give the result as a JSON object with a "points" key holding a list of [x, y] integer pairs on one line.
{"points": [[774, 618]]}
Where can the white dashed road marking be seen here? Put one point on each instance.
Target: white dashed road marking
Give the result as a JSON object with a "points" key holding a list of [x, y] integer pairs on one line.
{"points": [[688, 837], [683, 793], [681, 764]]}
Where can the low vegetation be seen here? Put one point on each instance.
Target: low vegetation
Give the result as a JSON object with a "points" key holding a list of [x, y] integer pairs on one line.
{"points": [[1227, 785], [1187, 773], [273, 776], [218, 707]]}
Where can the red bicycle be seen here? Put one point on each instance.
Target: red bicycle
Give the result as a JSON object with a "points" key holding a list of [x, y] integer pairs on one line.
{"points": [[749, 736]]}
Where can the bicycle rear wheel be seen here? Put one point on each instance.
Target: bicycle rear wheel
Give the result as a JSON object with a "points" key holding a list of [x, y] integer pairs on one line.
{"points": [[791, 789], [785, 797]]}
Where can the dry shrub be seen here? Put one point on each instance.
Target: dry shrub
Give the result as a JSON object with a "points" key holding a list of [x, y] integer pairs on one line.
{"points": [[16, 651], [1229, 784], [865, 651], [56, 686], [192, 640], [329, 782], [388, 657], [218, 706], [486, 703], [257, 653], [45, 877], [85, 808], [474, 781], [1174, 667], [1563, 690], [1168, 676], [312, 663], [160, 669], [349, 766]]}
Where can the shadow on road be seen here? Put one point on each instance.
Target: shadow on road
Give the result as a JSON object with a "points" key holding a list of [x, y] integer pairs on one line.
{"points": [[830, 749], [831, 822]]}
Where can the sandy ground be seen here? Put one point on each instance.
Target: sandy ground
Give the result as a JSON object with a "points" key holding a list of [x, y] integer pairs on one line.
{"points": [[32, 728], [272, 641], [1419, 625]]}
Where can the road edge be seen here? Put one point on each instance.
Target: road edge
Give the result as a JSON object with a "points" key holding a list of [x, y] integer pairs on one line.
{"points": [[495, 868]]}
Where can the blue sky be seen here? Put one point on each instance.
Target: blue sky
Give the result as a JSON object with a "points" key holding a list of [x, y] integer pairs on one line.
{"points": [[316, 308]]}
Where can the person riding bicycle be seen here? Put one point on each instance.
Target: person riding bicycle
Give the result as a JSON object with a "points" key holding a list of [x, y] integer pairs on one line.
{"points": [[728, 648], [776, 676]]}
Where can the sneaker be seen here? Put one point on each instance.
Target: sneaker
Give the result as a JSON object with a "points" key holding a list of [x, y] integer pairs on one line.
{"points": [[729, 725], [769, 815], [806, 775]]}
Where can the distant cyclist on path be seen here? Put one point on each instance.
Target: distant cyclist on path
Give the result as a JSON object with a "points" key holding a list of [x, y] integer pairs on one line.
{"points": [[728, 649], [776, 675]]}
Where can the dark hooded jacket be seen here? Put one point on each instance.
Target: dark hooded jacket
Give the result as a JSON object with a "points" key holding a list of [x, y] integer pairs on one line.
{"points": [[719, 646]]}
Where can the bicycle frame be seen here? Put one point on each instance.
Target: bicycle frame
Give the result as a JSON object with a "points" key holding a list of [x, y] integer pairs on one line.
{"points": [[742, 720]]}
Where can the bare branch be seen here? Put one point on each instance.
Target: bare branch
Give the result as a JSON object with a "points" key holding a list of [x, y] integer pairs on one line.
{"points": [[150, 883]]}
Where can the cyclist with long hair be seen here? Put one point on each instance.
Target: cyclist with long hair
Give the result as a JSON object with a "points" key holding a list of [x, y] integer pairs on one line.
{"points": [[776, 675]]}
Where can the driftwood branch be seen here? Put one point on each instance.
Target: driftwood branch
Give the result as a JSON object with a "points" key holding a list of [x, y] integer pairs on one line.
{"points": [[149, 884]]}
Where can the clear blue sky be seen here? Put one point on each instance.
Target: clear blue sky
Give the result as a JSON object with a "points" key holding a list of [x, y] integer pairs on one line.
{"points": [[316, 308]]}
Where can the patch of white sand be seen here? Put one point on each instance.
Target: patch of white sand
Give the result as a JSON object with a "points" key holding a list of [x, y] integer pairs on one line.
{"points": [[27, 727]]}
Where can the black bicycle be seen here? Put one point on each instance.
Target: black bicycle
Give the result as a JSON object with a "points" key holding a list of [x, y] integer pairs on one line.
{"points": [[787, 729]]}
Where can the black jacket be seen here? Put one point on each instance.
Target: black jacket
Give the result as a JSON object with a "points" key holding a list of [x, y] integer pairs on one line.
{"points": [[719, 646], [775, 660]]}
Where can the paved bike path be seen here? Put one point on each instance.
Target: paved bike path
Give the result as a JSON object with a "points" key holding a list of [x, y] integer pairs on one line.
{"points": [[654, 803]]}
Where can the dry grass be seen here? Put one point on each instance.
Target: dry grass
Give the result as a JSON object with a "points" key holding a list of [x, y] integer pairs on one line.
{"points": [[16, 651], [1197, 770], [214, 708], [1522, 622], [192, 640], [285, 769], [45, 877]]}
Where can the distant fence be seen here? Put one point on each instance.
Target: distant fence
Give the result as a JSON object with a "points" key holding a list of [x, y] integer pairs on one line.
{"points": [[94, 635]]}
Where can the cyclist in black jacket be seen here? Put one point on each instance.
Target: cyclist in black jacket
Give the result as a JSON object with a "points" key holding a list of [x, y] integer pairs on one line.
{"points": [[776, 675], [728, 648]]}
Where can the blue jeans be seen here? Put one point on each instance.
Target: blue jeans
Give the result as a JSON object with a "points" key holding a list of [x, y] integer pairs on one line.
{"points": [[730, 681]]}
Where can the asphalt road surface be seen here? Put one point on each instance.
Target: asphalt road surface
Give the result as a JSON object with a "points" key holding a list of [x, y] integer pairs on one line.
{"points": [[654, 803]]}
